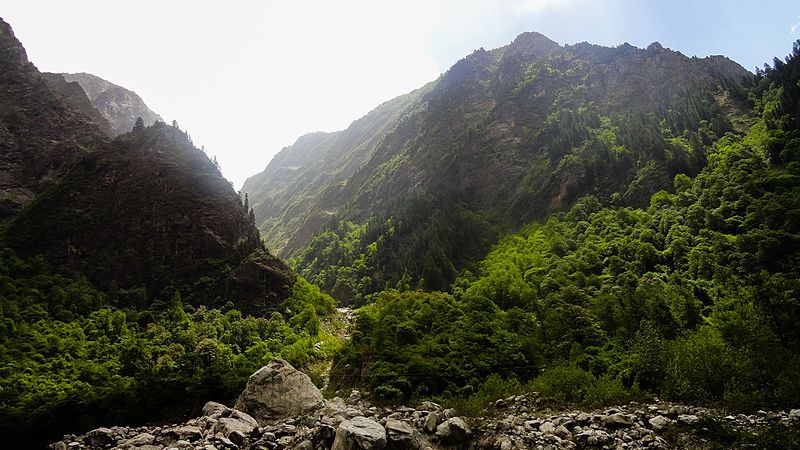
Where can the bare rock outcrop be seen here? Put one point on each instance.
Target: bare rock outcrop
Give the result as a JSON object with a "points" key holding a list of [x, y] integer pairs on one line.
{"points": [[278, 390]]}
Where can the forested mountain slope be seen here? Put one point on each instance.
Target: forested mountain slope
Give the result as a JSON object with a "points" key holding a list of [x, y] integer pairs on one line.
{"points": [[504, 137], [692, 297], [301, 183], [133, 283]]}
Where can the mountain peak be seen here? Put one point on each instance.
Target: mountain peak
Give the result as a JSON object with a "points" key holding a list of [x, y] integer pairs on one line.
{"points": [[11, 50], [534, 42]]}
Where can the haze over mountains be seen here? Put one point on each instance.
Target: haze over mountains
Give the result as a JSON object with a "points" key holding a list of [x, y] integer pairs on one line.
{"points": [[512, 134]]}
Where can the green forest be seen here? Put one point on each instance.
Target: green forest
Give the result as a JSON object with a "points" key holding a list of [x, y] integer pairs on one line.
{"points": [[694, 298], [72, 359]]}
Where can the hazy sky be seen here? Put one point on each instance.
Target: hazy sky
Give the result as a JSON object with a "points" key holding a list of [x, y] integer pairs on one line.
{"points": [[248, 78]]}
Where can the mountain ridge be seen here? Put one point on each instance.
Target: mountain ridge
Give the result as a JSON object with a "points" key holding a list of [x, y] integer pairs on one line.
{"points": [[540, 123]]}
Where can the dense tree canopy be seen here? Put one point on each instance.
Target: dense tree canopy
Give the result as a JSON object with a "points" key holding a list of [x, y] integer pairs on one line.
{"points": [[693, 297]]}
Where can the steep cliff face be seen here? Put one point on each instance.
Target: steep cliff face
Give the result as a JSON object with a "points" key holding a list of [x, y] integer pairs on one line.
{"points": [[119, 106], [145, 209], [41, 137]]}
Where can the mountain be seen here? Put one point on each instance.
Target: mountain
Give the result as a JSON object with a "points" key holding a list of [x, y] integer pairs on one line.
{"points": [[303, 179], [146, 209], [40, 136], [119, 106], [504, 137]]}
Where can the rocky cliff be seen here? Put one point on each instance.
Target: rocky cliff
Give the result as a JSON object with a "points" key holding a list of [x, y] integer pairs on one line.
{"points": [[146, 209], [41, 137], [119, 106]]}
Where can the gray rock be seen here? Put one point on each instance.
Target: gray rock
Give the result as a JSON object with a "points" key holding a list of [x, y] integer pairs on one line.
{"points": [[140, 440], [794, 414], [453, 431], [237, 437], [237, 421], [659, 422], [185, 433], [278, 390], [401, 435], [688, 419], [616, 421], [431, 421], [562, 432], [547, 428], [359, 433], [99, 437], [211, 408]]}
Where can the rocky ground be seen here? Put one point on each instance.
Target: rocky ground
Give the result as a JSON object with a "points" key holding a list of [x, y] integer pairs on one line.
{"points": [[281, 409]]}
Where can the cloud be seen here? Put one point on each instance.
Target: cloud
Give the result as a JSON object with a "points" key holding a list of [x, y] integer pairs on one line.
{"points": [[533, 7], [793, 28]]}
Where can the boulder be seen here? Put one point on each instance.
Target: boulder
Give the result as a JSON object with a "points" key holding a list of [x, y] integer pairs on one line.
{"points": [[278, 390], [453, 431], [401, 435], [431, 421], [659, 422], [616, 421], [212, 408], [99, 438], [359, 433], [237, 422], [184, 433]]}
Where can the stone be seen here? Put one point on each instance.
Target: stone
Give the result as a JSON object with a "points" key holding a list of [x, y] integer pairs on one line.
{"points": [[616, 420], [359, 433], [185, 433], [354, 397], [453, 431], [237, 437], [547, 428], [659, 422], [401, 435], [794, 414], [431, 422], [688, 419], [228, 425], [277, 391], [140, 440], [212, 408], [99, 437], [562, 432]]}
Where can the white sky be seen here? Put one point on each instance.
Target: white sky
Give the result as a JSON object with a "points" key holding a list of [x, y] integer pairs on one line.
{"points": [[247, 78]]}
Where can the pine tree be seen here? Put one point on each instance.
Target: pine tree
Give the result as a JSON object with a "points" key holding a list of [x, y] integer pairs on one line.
{"points": [[139, 125]]}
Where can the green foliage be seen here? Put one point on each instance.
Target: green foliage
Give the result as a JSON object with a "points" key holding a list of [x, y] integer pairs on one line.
{"points": [[418, 344], [421, 243], [693, 298], [71, 360]]}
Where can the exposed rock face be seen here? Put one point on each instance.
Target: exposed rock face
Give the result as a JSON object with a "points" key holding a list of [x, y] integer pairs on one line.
{"points": [[71, 93], [278, 390], [41, 138], [119, 106]]}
